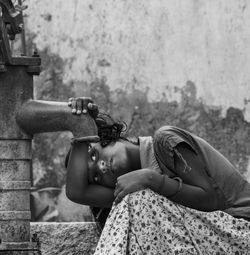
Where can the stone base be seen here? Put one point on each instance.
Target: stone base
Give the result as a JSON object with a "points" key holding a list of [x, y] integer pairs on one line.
{"points": [[19, 248], [66, 238]]}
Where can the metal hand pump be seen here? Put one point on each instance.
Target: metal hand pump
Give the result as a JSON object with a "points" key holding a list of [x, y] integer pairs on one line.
{"points": [[20, 118]]}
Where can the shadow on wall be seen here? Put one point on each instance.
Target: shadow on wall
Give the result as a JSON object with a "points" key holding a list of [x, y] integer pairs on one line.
{"points": [[52, 205], [229, 134]]}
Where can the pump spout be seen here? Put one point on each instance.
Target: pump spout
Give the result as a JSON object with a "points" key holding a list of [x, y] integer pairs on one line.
{"points": [[37, 116]]}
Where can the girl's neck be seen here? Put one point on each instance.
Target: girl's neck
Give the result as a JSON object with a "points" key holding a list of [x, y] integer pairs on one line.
{"points": [[134, 155]]}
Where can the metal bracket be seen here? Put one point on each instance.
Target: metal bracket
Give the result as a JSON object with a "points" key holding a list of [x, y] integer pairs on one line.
{"points": [[11, 23], [12, 18]]}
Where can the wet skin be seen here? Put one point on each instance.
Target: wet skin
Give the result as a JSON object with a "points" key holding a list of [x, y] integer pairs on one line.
{"points": [[106, 164]]}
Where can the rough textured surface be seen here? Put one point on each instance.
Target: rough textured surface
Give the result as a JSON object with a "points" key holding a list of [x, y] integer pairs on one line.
{"points": [[66, 238], [15, 152], [156, 46]]}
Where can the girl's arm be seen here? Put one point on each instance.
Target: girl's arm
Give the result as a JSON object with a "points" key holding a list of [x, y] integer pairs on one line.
{"points": [[78, 188], [197, 189], [196, 192]]}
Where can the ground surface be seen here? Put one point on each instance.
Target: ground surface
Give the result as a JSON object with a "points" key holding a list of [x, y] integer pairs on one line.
{"points": [[66, 238]]}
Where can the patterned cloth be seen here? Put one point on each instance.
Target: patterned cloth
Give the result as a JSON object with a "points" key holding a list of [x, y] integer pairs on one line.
{"points": [[147, 223]]}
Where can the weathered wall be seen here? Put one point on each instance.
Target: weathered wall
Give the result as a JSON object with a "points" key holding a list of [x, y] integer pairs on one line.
{"points": [[178, 62], [156, 45]]}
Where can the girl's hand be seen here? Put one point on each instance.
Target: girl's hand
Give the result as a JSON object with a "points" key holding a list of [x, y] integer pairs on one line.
{"points": [[131, 182], [83, 105]]}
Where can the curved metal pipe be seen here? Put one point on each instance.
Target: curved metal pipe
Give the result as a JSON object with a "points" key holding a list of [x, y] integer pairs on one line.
{"points": [[8, 5], [37, 116]]}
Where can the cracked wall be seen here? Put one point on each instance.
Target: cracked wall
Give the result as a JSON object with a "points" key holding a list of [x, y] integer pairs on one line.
{"points": [[182, 63]]}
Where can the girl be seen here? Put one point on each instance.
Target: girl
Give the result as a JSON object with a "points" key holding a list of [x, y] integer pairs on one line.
{"points": [[166, 184]]}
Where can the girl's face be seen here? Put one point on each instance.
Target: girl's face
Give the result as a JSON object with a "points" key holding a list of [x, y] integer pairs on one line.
{"points": [[106, 164]]}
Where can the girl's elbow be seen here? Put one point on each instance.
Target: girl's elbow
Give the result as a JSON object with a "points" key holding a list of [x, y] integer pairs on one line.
{"points": [[70, 195], [74, 196]]}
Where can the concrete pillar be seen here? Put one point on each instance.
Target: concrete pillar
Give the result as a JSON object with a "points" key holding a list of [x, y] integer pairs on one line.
{"points": [[16, 92], [16, 87]]}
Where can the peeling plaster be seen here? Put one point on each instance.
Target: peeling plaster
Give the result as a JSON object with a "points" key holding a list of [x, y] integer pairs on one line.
{"points": [[230, 134], [160, 44], [183, 63]]}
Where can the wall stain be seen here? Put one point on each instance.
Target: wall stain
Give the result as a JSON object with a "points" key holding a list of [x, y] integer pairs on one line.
{"points": [[103, 63], [47, 17], [229, 134]]}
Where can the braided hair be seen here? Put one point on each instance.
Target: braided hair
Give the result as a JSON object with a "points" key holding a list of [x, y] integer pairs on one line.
{"points": [[109, 132]]}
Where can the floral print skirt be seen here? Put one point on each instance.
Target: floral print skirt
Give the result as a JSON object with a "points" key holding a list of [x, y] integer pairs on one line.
{"points": [[147, 223]]}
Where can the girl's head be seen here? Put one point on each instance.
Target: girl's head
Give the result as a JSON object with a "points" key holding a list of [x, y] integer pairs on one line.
{"points": [[114, 155]]}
